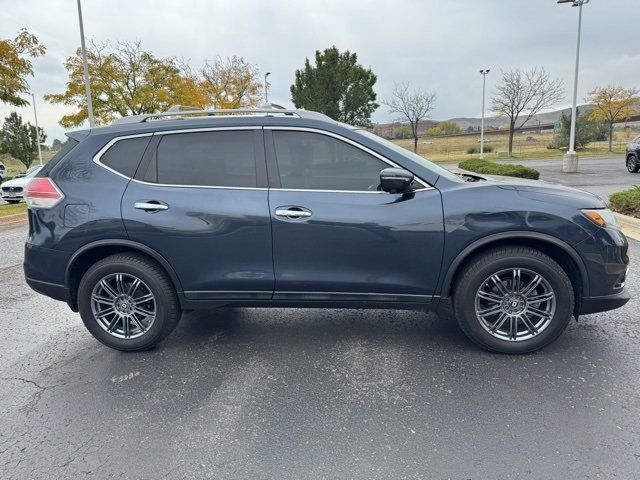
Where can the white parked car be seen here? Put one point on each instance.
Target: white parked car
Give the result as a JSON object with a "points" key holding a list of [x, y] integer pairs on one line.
{"points": [[13, 190]]}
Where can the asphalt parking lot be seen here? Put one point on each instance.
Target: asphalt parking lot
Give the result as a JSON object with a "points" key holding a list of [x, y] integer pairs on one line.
{"points": [[257, 393], [602, 175]]}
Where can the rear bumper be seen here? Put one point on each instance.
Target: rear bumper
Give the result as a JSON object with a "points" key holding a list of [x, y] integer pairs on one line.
{"points": [[52, 290], [603, 304]]}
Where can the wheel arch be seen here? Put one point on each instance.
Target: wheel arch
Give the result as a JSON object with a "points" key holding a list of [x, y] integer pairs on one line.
{"points": [[89, 254], [559, 250]]}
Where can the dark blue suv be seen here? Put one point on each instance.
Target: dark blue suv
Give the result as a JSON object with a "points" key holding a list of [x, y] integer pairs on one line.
{"points": [[134, 223]]}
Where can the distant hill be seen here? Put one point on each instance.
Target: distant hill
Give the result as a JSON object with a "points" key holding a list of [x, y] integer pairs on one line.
{"points": [[499, 122], [387, 130]]}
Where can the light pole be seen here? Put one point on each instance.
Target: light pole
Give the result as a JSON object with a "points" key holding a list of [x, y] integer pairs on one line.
{"points": [[484, 73], [35, 116], [85, 66], [570, 160], [266, 87]]}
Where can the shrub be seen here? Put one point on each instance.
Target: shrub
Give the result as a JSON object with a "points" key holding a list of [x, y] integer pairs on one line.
{"points": [[491, 168], [476, 149], [626, 202]]}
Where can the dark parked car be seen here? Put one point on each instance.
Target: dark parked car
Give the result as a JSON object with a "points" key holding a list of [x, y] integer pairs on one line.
{"points": [[633, 155], [133, 223]]}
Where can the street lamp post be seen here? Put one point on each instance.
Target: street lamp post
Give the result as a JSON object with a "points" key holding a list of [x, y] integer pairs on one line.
{"points": [[484, 73], [266, 87], [85, 66], [35, 116], [570, 160]]}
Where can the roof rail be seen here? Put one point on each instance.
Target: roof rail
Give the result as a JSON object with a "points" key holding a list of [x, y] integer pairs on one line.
{"points": [[180, 111]]}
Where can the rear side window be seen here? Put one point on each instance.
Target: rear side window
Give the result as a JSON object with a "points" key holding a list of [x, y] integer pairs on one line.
{"points": [[125, 155], [318, 162], [66, 148], [216, 159]]}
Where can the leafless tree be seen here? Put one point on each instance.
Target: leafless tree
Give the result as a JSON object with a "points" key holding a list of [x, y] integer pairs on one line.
{"points": [[521, 94], [413, 105]]}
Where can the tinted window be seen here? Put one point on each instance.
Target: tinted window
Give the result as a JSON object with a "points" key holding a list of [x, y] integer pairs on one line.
{"points": [[124, 155], [66, 148], [314, 161], [224, 159]]}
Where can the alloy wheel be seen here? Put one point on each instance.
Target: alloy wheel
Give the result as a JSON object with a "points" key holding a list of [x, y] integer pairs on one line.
{"points": [[123, 305], [515, 304]]}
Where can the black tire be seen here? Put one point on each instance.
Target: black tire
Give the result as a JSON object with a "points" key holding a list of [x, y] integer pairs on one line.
{"points": [[167, 307], [633, 166], [482, 267], [12, 202]]}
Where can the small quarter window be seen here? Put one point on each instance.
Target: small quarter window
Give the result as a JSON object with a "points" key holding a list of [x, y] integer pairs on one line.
{"points": [[125, 155]]}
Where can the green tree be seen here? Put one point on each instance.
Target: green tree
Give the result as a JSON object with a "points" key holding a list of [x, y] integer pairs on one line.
{"points": [[337, 86], [443, 128], [402, 132], [15, 66], [587, 131], [20, 139]]}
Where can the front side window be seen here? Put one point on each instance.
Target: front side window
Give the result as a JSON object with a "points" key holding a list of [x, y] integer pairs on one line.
{"points": [[222, 158], [313, 161]]}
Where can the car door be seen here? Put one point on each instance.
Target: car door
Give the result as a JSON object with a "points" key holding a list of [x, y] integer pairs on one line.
{"points": [[335, 236], [199, 199]]}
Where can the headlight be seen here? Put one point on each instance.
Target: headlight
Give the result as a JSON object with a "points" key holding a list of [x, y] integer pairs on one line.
{"points": [[602, 217]]}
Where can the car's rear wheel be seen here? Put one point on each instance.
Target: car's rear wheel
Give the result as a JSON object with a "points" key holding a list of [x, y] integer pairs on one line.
{"points": [[128, 302], [632, 164], [513, 300]]}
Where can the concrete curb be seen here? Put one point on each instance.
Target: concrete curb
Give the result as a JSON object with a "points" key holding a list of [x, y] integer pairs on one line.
{"points": [[14, 219], [630, 225]]}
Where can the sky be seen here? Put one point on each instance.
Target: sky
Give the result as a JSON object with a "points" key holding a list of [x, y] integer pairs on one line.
{"points": [[436, 45]]}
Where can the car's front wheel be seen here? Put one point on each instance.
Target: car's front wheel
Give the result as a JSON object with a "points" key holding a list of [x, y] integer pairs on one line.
{"points": [[128, 302], [632, 164], [513, 300]]}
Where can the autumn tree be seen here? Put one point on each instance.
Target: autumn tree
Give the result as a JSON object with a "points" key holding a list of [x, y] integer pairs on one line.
{"points": [[126, 80], [411, 105], [521, 94], [443, 128], [336, 85], [20, 140], [231, 83], [16, 66], [612, 105]]}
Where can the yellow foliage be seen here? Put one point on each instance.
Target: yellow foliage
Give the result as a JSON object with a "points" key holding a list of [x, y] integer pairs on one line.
{"points": [[126, 80], [613, 104], [15, 66]]}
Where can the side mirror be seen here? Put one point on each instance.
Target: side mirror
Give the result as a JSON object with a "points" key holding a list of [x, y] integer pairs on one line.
{"points": [[395, 180]]}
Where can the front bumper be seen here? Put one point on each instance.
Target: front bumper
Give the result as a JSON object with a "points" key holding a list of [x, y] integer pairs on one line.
{"points": [[604, 303]]}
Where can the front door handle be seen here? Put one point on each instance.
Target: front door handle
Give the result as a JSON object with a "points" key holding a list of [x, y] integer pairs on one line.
{"points": [[151, 206], [293, 212]]}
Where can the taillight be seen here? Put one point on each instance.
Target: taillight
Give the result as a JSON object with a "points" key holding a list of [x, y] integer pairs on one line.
{"points": [[42, 193]]}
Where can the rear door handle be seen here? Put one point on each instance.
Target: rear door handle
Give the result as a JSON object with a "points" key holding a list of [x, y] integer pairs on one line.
{"points": [[293, 212], [151, 206]]}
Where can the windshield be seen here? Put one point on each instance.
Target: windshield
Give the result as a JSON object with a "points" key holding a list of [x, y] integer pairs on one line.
{"points": [[409, 155]]}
